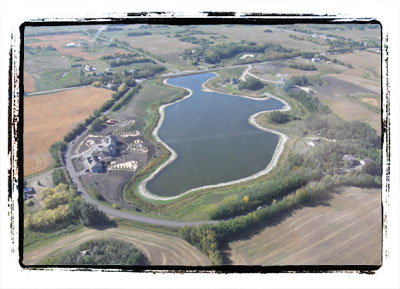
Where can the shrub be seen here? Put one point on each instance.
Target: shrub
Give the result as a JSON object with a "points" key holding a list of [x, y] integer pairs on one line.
{"points": [[101, 252], [251, 83]]}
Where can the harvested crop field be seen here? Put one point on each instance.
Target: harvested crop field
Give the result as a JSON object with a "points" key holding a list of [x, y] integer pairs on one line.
{"points": [[60, 41], [29, 83], [359, 77], [362, 59], [48, 117], [352, 110], [372, 101], [256, 33], [334, 95], [337, 87], [346, 232], [159, 44], [159, 249]]}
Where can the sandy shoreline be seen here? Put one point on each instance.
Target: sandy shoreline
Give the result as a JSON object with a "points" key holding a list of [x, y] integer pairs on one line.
{"points": [[252, 120]]}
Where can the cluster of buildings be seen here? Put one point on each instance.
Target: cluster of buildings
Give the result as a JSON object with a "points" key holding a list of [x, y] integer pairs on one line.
{"points": [[106, 148], [29, 192], [109, 147], [73, 44]]}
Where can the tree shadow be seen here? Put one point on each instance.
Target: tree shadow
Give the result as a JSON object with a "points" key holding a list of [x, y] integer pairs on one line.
{"points": [[322, 200], [104, 225]]}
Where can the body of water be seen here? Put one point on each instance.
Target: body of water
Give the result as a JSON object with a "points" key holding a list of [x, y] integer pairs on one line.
{"points": [[213, 139]]}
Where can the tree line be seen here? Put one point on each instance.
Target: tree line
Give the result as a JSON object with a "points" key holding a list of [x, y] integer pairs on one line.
{"points": [[62, 207], [209, 238]]}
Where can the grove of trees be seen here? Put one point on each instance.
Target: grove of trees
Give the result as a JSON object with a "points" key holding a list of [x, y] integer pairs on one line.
{"points": [[100, 252], [62, 207], [251, 83]]}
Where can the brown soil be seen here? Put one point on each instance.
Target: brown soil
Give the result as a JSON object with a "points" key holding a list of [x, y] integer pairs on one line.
{"points": [[158, 248], [372, 101], [59, 41], [159, 44], [363, 59], [48, 117], [347, 232]]}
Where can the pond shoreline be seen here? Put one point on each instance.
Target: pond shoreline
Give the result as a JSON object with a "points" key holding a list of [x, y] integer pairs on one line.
{"points": [[252, 120]]}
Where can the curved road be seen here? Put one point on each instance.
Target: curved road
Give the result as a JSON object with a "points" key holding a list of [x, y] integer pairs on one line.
{"points": [[117, 213], [129, 216]]}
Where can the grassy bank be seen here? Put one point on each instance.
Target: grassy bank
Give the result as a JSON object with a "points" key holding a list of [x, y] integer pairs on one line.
{"points": [[199, 204]]}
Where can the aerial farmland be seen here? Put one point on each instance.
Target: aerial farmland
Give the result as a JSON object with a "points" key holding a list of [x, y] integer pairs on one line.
{"points": [[202, 145]]}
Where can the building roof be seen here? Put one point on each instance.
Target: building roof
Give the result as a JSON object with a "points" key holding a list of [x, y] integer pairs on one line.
{"points": [[348, 158]]}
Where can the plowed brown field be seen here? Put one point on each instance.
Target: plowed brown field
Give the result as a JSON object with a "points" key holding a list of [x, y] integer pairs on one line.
{"points": [[159, 249], [347, 232], [48, 117]]}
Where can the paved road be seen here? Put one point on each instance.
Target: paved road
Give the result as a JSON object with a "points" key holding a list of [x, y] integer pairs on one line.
{"points": [[55, 90], [117, 213]]}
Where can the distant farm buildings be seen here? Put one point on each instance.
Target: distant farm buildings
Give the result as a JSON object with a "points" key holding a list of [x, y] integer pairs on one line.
{"points": [[89, 68], [28, 192], [73, 44]]}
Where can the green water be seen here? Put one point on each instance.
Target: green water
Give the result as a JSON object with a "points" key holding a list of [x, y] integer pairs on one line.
{"points": [[213, 139]]}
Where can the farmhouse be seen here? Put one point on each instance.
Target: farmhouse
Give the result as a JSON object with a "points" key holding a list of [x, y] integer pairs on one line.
{"points": [[93, 164], [111, 85], [365, 161], [350, 161], [89, 68], [348, 158], [71, 45], [28, 192], [110, 146], [315, 59]]}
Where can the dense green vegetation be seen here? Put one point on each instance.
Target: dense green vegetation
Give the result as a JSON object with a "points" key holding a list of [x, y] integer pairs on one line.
{"points": [[260, 195], [61, 176], [100, 252], [311, 103], [196, 40], [121, 59], [56, 151], [279, 117], [125, 98], [62, 207], [208, 238], [305, 178], [306, 67], [251, 83], [214, 54], [138, 33]]}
